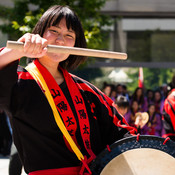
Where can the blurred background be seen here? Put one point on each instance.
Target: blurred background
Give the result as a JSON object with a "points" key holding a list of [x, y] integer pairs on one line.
{"points": [[144, 29]]}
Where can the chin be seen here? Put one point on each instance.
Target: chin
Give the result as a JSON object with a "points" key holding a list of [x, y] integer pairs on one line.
{"points": [[58, 57]]}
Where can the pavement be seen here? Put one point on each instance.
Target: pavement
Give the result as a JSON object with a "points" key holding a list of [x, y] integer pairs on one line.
{"points": [[4, 162]]}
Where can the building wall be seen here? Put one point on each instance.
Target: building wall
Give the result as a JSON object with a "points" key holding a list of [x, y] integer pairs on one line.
{"points": [[8, 3], [139, 16], [143, 7]]}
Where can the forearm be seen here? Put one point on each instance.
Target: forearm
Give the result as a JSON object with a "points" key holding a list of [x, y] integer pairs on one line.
{"points": [[34, 47]]}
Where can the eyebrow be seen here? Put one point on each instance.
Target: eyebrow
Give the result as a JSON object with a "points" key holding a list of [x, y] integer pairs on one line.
{"points": [[69, 30]]}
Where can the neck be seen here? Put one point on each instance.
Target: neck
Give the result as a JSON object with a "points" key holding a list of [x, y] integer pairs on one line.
{"points": [[151, 113], [52, 67]]}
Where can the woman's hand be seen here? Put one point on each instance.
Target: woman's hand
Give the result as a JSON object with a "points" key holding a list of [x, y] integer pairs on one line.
{"points": [[34, 45]]}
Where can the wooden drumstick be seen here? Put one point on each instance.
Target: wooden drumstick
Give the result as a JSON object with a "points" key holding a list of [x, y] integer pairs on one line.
{"points": [[74, 51]]}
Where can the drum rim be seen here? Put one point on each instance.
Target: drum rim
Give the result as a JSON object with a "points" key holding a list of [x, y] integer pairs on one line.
{"points": [[129, 143]]}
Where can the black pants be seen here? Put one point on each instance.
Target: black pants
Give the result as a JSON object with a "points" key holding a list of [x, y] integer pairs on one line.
{"points": [[15, 165]]}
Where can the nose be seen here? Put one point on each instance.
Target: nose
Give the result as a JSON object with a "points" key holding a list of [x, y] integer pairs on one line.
{"points": [[60, 39]]}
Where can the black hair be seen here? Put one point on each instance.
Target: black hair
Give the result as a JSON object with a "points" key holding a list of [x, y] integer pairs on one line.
{"points": [[122, 101]]}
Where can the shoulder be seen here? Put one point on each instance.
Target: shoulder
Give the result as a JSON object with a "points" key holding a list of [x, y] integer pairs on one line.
{"points": [[85, 84], [88, 87], [23, 74]]}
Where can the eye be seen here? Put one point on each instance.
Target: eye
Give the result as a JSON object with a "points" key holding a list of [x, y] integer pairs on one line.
{"points": [[70, 36], [53, 31]]}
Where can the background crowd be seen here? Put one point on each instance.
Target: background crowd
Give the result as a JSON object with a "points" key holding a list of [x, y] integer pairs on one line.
{"points": [[141, 100]]}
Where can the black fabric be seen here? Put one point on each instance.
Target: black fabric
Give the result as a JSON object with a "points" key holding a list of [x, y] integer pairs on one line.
{"points": [[5, 135], [39, 141], [15, 165], [167, 123]]}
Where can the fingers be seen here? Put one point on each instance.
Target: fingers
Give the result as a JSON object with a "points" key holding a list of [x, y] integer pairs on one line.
{"points": [[34, 45]]}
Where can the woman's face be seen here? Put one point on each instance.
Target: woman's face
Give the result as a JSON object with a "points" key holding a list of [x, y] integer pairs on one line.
{"points": [[113, 94], [107, 90], [157, 96], [135, 106], [139, 92], [62, 36], [151, 109], [150, 94]]}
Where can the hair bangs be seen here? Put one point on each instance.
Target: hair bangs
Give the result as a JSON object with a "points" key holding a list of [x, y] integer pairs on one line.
{"points": [[72, 21]]}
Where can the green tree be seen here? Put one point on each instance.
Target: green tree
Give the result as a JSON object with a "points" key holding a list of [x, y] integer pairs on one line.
{"points": [[153, 78], [26, 13]]}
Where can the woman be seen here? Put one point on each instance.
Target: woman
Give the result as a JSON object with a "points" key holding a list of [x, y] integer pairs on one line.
{"points": [[138, 96], [130, 116], [154, 124], [158, 101], [107, 89], [150, 96], [88, 115]]}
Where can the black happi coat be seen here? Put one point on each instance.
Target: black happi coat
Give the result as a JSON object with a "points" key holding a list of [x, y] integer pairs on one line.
{"points": [[38, 139]]}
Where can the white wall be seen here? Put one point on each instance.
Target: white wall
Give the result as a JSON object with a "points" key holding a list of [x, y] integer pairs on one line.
{"points": [[148, 24], [140, 5], [8, 3]]}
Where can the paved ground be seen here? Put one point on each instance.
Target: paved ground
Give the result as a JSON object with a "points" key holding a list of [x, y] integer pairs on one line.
{"points": [[4, 162]]}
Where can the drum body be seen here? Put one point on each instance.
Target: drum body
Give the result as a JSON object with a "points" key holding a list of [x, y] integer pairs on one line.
{"points": [[143, 155]]}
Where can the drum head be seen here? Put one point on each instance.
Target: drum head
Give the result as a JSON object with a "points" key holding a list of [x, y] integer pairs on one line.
{"points": [[147, 156]]}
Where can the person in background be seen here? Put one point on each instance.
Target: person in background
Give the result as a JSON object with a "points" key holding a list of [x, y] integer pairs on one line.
{"points": [[154, 124], [107, 89], [119, 89], [139, 96], [158, 101], [164, 91], [89, 117], [113, 94], [122, 104], [150, 96], [125, 91], [130, 115]]}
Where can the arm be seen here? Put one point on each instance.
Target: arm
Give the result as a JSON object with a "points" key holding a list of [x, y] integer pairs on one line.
{"points": [[34, 47]]}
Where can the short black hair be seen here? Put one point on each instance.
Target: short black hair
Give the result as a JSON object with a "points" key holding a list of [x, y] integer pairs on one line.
{"points": [[122, 101], [52, 17]]}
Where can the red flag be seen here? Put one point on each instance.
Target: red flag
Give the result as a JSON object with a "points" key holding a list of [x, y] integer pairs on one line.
{"points": [[140, 81]]}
